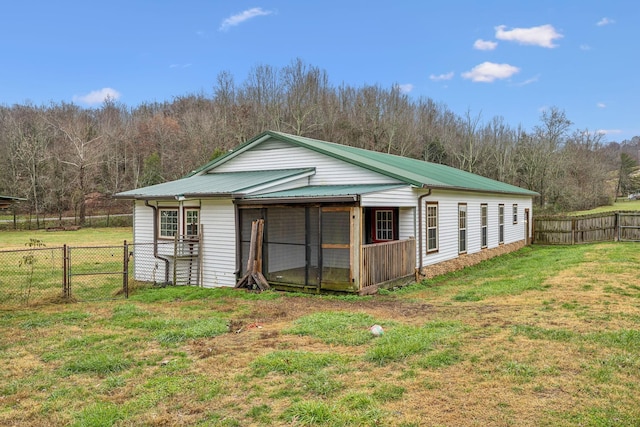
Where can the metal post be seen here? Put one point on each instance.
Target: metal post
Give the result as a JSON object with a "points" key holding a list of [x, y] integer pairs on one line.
{"points": [[68, 271], [125, 270], [65, 266]]}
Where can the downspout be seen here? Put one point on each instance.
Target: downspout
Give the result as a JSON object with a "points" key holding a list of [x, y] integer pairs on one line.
{"points": [[155, 241], [419, 271]]}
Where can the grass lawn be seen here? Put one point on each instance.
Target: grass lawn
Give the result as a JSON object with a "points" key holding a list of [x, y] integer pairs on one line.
{"points": [[82, 237], [625, 205], [546, 336]]}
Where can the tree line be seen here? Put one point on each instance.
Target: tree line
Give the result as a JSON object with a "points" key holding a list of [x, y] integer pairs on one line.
{"points": [[57, 155]]}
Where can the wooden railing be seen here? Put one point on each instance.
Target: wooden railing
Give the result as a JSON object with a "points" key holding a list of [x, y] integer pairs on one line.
{"points": [[382, 262]]}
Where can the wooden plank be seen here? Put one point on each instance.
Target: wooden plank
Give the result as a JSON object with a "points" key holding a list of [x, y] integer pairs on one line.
{"points": [[254, 279]]}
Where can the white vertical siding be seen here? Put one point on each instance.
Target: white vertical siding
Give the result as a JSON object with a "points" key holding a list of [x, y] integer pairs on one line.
{"points": [[147, 268], [396, 197], [142, 223], [448, 222], [218, 221], [407, 223], [279, 155], [217, 218]]}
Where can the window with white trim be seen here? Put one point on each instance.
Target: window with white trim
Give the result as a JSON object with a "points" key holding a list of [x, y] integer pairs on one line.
{"points": [[500, 223], [168, 222], [191, 222], [462, 228], [515, 214], [484, 225], [432, 227]]}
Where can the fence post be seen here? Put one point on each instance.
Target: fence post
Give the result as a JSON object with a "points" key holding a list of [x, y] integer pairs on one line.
{"points": [[125, 270], [65, 267]]}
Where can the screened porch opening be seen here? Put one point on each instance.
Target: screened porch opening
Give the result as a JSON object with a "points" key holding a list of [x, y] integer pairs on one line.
{"points": [[303, 246]]}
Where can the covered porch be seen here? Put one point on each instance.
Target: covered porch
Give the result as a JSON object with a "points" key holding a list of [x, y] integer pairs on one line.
{"points": [[326, 245]]}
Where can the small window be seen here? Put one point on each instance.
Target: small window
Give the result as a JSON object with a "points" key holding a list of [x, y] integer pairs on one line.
{"points": [[484, 225], [500, 223], [515, 214], [432, 227], [192, 222], [383, 225], [462, 228], [168, 223]]}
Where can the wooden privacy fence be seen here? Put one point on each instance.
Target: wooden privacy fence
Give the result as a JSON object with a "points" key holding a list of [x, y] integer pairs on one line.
{"points": [[567, 230]]}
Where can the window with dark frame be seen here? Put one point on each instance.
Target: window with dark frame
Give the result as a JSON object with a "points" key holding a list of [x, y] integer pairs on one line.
{"points": [[462, 228], [500, 223], [432, 227], [484, 225], [384, 224]]}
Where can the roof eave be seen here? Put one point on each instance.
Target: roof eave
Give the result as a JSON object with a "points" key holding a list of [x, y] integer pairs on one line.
{"points": [[173, 197], [351, 198], [527, 193]]}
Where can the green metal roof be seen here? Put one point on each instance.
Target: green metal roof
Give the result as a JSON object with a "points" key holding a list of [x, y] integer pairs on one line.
{"points": [[411, 171], [311, 191], [213, 184]]}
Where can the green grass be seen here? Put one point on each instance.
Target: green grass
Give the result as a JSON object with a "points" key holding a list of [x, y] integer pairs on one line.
{"points": [[343, 328], [401, 342], [99, 414], [83, 237], [512, 274], [621, 205], [289, 362]]}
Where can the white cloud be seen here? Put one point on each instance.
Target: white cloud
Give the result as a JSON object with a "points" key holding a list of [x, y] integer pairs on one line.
{"points": [[484, 44], [543, 35], [405, 88], [241, 17], [602, 105], [97, 96], [440, 77], [609, 131], [605, 21], [180, 65], [487, 72], [585, 47]]}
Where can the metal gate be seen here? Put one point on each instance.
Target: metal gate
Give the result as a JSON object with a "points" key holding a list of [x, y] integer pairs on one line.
{"points": [[96, 272]]}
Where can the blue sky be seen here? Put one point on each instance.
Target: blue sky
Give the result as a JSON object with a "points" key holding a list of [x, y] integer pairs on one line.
{"points": [[490, 58]]}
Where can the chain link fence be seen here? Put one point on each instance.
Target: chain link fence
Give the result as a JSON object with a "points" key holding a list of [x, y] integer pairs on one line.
{"points": [[40, 275], [30, 276]]}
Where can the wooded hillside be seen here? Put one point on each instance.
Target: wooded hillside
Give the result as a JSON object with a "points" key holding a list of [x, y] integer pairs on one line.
{"points": [[57, 155]]}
